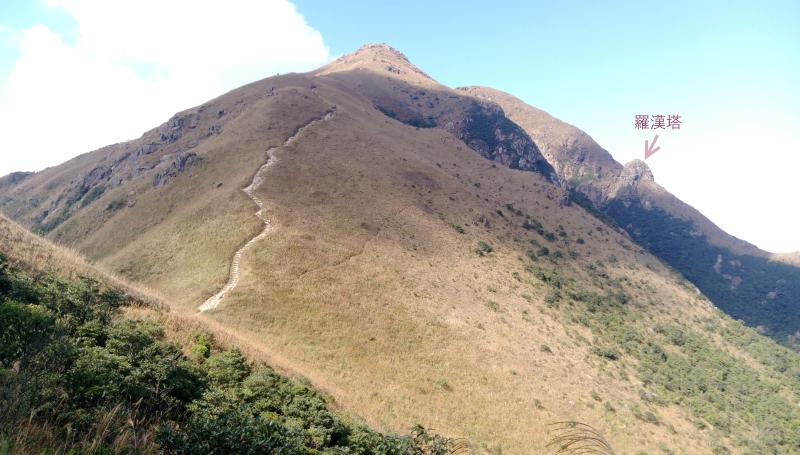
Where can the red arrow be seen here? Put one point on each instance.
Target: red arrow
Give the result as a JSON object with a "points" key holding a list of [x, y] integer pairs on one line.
{"points": [[649, 150]]}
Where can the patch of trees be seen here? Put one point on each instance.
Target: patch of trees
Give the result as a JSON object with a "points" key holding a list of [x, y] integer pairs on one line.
{"points": [[679, 364], [76, 377], [580, 199], [409, 117], [671, 240]]}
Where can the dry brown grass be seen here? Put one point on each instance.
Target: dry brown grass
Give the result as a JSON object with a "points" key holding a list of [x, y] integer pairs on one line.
{"points": [[576, 438], [364, 287], [32, 436], [37, 256], [376, 297]]}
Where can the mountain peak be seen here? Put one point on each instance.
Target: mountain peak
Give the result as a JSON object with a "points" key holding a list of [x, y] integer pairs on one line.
{"points": [[378, 57], [381, 48], [636, 170]]}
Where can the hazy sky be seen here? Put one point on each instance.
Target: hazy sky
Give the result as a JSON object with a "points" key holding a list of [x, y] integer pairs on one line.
{"points": [[79, 74]]}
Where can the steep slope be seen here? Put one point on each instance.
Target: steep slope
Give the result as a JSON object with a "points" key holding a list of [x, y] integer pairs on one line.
{"points": [[591, 170], [415, 273], [759, 287], [87, 368]]}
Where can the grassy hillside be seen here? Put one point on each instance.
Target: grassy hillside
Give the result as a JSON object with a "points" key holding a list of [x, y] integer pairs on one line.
{"points": [[418, 279], [758, 287], [86, 369]]}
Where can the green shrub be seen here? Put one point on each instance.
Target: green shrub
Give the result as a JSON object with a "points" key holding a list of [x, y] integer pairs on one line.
{"points": [[483, 248], [532, 225], [115, 205], [92, 195], [606, 352], [552, 297], [241, 430], [201, 349], [122, 377], [579, 240], [227, 369]]}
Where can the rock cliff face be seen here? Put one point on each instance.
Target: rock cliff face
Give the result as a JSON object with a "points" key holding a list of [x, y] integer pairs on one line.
{"points": [[178, 163], [485, 129], [578, 161], [634, 172], [407, 94]]}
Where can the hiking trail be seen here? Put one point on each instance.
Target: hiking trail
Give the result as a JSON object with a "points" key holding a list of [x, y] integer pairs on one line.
{"points": [[233, 278]]}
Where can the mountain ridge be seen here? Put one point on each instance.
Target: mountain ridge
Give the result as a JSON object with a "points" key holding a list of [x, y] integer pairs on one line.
{"points": [[566, 137], [422, 280]]}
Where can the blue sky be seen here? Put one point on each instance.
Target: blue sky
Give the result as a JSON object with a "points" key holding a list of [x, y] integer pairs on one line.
{"points": [[730, 69]]}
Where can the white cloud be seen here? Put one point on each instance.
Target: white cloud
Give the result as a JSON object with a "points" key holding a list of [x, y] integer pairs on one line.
{"points": [[135, 63]]}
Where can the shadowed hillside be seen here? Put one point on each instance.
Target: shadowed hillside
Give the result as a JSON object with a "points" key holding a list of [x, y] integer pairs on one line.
{"points": [[426, 264], [761, 288]]}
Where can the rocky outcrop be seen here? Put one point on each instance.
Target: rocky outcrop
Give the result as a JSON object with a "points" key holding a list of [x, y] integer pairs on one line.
{"points": [[632, 174], [144, 149], [485, 129], [180, 162], [96, 176], [577, 159], [636, 170], [174, 130]]}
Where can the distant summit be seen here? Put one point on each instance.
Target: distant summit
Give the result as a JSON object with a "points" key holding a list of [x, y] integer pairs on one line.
{"points": [[636, 170], [444, 256], [378, 57]]}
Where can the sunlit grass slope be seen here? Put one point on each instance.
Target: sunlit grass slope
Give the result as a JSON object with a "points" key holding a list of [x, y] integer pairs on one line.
{"points": [[418, 282]]}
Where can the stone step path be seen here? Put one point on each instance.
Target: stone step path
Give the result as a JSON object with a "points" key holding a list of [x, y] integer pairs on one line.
{"points": [[233, 279]]}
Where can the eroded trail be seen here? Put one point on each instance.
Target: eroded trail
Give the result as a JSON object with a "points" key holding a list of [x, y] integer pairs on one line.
{"points": [[233, 278]]}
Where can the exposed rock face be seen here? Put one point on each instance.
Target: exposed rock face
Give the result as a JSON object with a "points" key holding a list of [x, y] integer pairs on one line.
{"points": [[735, 281], [144, 150], [564, 201], [180, 162], [96, 176], [174, 130], [634, 172], [126, 166], [577, 159], [485, 129]]}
